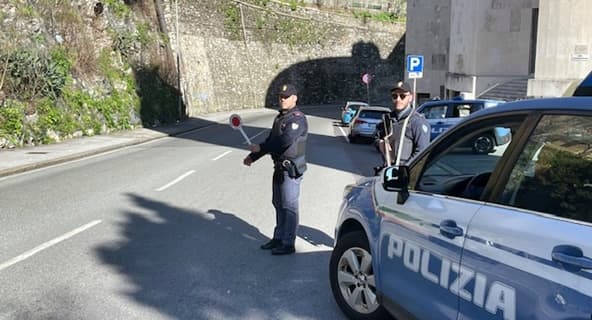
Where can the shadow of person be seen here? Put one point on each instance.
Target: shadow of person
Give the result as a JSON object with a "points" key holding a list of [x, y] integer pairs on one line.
{"points": [[189, 264], [314, 236], [339, 79]]}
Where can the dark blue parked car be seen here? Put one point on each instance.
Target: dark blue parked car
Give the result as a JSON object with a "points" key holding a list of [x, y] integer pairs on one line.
{"points": [[585, 87]]}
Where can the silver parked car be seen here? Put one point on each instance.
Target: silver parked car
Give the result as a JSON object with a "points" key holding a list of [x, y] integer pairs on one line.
{"points": [[363, 124]]}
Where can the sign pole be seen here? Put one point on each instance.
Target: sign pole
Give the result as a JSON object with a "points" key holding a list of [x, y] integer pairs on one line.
{"points": [[368, 93], [414, 91]]}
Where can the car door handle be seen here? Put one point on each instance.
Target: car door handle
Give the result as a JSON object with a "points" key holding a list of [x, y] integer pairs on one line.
{"points": [[449, 229], [571, 257]]}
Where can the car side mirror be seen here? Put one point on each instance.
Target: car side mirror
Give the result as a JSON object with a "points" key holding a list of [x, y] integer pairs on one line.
{"points": [[396, 179]]}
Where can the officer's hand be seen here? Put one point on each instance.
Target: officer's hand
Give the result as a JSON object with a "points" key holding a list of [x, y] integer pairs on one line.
{"points": [[254, 148], [247, 161]]}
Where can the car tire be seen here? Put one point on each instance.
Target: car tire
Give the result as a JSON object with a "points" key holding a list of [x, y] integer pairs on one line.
{"points": [[483, 144], [349, 281], [352, 139]]}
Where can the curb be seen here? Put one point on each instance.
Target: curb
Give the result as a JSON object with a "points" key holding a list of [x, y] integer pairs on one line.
{"points": [[79, 155]]}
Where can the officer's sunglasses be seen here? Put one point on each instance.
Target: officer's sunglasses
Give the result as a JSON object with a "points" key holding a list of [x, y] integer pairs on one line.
{"points": [[401, 96]]}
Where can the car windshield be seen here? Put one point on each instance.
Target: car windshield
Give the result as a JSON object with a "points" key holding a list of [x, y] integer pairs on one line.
{"points": [[435, 112], [465, 109], [371, 114]]}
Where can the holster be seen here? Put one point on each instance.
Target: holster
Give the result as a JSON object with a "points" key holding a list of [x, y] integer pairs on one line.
{"points": [[291, 168]]}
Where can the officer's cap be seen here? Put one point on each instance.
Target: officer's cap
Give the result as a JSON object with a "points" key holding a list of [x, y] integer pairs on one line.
{"points": [[400, 85], [287, 90]]}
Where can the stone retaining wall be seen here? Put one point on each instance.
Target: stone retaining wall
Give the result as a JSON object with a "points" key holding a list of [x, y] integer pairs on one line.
{"points": [[323, 54]]}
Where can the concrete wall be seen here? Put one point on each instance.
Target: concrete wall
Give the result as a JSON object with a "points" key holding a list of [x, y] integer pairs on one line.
{"points": [[564, 46], [428, 34], [489, 43], [325, 58]]}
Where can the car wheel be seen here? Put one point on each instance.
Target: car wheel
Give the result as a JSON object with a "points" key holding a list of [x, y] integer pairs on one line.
{"points": [[352, 139], [352, 278], [483, 144]]}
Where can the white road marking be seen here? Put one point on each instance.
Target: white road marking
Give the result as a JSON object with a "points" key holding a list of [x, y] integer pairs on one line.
{"points": [[344, 134], [251, 138], [176, 180], [222, 155], [46, 245]]}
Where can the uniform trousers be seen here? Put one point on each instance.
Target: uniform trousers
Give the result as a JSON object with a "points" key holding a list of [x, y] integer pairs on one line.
{"points": [[286, 193]]}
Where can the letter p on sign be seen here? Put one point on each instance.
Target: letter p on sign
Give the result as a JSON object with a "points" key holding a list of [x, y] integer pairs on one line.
{"points": [[415, 66]]}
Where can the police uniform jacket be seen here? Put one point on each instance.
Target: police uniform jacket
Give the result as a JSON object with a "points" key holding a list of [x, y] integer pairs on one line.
{"points": [[417, 134], [287, 139]]}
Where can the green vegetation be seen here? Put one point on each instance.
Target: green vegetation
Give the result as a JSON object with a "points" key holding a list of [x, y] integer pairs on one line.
{"points": [[294, 4], [144, 37], [378, 16], [232, 21], [11, 117], [119, 8], [33, 73], [261, 3], [50, 92]]}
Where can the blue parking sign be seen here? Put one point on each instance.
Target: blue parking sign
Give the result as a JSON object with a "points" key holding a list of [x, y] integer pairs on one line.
{"points": [[415, 66]]}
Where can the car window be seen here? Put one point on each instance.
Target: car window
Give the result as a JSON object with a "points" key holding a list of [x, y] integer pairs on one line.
{"points": [[435, 112], [454, 168], [371, 114], [465, 109], [554, 171]]}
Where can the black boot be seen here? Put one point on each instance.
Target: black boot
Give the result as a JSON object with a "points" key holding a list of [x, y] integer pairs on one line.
{"points": [[283, 249], [273, 243]]}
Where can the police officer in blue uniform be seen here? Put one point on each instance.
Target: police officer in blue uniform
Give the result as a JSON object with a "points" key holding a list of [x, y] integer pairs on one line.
{"points": [[286, 144], [417, 129]]}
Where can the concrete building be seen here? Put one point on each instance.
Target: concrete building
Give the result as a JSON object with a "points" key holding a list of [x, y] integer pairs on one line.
{"points": [[500, 49]]}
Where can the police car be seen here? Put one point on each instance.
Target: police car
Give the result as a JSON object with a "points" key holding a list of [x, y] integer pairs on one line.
{"points": [[459, 235], [443, 114]]}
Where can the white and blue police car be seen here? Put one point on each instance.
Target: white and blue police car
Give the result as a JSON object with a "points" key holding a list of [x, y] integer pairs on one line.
{"points": [[444, 114], [460, 235]]}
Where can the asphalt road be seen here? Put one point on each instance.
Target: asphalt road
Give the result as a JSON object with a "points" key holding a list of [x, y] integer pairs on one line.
{"points": [[171, 230]]}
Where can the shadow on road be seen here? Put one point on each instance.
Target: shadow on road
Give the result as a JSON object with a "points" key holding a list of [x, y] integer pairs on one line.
{"points": [[323, 150], [207, 265], [335, 80]]}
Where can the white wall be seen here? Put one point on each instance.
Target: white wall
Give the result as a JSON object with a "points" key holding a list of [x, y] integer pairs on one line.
{"points": [[489, 43], [428, 25], [564, 46]]}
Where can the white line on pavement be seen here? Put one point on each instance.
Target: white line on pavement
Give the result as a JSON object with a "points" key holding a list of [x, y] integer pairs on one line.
{"points": [[47, 245], [222, 155], [344, 134], [176, 180]]}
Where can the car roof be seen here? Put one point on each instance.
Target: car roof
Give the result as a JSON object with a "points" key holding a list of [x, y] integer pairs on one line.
{"points": [[542, 104], [375, 108], [356, 102], [457, 101]]}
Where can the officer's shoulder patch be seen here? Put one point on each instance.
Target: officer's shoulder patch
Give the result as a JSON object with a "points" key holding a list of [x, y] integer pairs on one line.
{"points": [[295, 125], [424, 128]]}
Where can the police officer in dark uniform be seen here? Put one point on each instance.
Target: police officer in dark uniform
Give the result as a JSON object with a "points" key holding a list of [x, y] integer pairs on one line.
{"points": [[417, 128], [286, 144]]}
